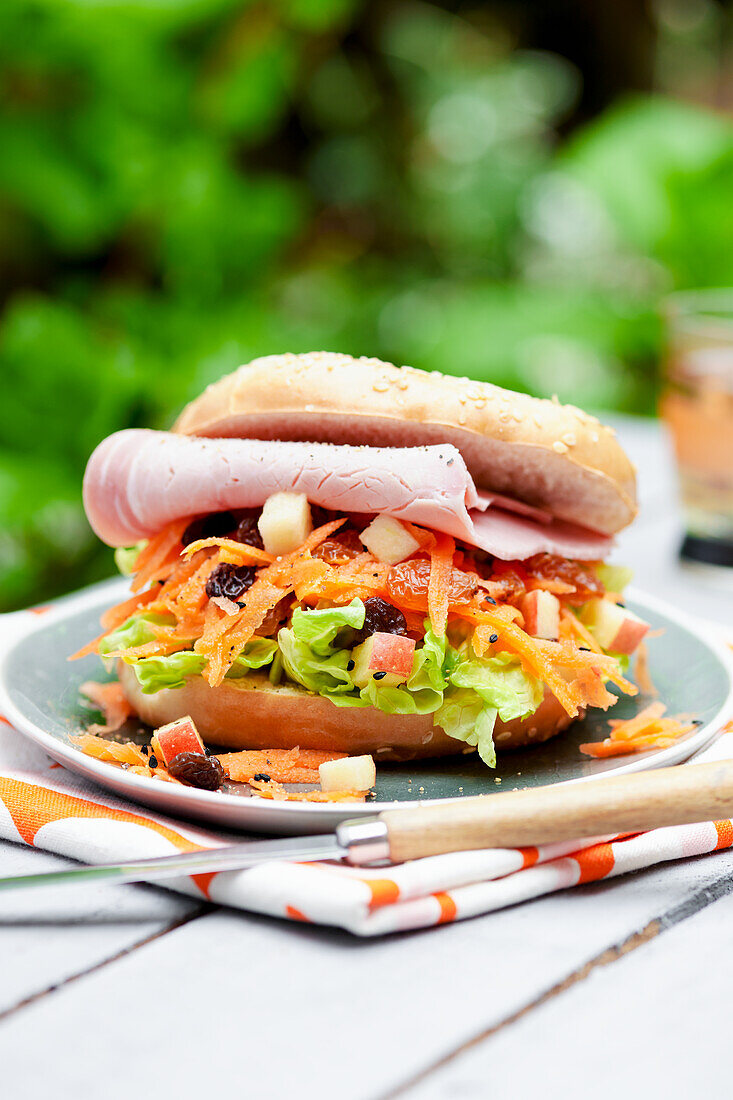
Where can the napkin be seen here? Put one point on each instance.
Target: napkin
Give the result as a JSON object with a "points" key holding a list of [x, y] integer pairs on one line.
{"points": [[44, 805]]}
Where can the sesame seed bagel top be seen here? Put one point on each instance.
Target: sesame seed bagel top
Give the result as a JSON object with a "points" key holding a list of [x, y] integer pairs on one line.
{"points": [[551, 455]]}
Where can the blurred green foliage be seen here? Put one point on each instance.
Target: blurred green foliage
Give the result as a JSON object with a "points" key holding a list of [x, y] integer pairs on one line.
{"points": [[185, 184]]}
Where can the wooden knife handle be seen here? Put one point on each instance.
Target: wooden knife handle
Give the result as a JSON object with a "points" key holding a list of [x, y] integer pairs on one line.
{"points": [[619, 804]]}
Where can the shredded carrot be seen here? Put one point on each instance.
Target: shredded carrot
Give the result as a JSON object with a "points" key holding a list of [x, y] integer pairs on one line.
{"points": [[230, 551], [439, 585], [630, 728], [282, 765], [110, 699], [160, 552], [278, 793], [529, 652], [112, 752], [648, 730], [425, 539], [580, 630], [224, 635]]}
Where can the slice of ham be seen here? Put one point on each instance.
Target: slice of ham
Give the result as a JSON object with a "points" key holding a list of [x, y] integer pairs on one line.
{"points": [[137, 481]]}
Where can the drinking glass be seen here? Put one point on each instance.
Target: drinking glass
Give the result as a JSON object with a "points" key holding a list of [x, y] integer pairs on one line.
{"points": [[697, 404]]}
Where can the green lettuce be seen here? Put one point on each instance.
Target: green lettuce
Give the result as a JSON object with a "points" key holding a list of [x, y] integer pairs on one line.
{"points": [[480, 689], [310, 653], [126, 556], [155, 673], [464, 692], [501, 683], [136, 631], [465, 716]]}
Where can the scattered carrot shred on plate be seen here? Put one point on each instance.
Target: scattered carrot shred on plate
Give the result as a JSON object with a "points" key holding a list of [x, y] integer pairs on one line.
{"points": [[112, 752], [128, 755], [111, 701], [277, 793], [648, 730], [283, 765]]}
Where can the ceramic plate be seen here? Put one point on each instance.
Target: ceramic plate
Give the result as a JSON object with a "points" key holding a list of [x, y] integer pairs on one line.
{"points": [[39, 695]]}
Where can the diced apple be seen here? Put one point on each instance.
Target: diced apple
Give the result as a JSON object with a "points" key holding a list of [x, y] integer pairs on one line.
{"points": [[285, 522], [388, 540], [614, 627], [354, 773], [386, 658], [178, 736], [541, 611]]}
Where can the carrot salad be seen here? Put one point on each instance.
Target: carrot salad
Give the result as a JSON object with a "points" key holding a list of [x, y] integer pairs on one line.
{"points": [[220, 606], [648, 730]]}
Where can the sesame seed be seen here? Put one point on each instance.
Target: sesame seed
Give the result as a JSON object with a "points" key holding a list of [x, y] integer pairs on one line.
{"points": [[569, 438], [560, 447]]}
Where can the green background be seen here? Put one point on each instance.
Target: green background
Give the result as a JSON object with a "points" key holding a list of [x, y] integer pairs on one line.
{"points": [[501, 190]]}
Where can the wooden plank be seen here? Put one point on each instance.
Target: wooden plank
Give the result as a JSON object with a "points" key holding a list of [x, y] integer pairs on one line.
{"points": [[654, 1023], [48, 936], [277, 1010]]}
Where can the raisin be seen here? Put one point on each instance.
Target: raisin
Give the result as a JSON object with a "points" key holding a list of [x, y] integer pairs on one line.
{"points": [[248, 531], [551, 567], [197, 770], [215, 526], [230, 580], [381, 618], [340, 548], [411, 579]]}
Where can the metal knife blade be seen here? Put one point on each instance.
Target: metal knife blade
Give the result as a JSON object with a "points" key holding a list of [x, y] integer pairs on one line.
{"points": [[230, 858]]}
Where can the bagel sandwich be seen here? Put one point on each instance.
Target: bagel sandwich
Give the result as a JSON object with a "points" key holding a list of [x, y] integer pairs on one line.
{"points": [[341, 554]]}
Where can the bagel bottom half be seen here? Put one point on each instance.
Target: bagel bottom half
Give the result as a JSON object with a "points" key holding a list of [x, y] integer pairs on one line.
{"points": [[250, 713]]}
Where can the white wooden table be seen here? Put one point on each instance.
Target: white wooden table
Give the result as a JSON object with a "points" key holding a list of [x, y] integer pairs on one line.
{"points": [[609, 990]]}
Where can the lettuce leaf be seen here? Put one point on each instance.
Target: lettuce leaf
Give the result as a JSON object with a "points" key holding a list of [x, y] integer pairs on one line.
{"points": [[482, 689], [465, 716], [501, 683], [155, 673], [126, 556], [310, 655], [136, 631]]}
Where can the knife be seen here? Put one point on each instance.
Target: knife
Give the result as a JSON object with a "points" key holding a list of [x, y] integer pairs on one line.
{"points": [[618, 804]]}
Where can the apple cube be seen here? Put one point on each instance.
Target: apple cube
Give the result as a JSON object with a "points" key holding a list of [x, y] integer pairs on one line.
{"points": [[354, 773], [615, 628], [541, 611], [178, 736], [388, 540], [386, 658], [285, 522]]}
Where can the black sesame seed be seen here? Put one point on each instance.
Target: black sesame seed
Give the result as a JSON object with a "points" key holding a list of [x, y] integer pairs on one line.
{"points": [[494, 638], [450, 462], [584, 648], [379, 675], [262, 777], [350, 666], [153, 762], [490, 599]]}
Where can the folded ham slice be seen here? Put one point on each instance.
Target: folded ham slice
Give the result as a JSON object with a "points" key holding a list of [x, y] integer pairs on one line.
{"points": [[137, 481]]}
